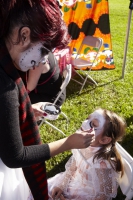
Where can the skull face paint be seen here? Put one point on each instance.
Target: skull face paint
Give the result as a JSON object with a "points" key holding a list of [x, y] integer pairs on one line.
{"points": [[32, 57], [96, 120]]}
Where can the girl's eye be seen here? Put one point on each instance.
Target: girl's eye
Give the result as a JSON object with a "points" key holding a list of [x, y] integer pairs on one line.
{"points": [[91, 125]]}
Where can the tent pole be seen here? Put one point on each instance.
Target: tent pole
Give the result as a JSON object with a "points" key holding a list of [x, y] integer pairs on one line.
{"points": [[127, 37]]}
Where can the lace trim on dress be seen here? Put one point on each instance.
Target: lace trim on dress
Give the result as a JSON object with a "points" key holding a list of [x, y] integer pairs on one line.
{"points": [[85, 180]]}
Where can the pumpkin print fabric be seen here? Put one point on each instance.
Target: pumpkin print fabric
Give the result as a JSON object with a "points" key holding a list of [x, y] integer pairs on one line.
{"points": [[89, 17]]}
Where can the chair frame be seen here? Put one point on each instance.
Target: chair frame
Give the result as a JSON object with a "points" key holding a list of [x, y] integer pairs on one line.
{"points": [[126, 188], [67, 76], [92, 42]]}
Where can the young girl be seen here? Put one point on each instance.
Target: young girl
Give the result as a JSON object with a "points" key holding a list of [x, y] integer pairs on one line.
{"points": [[93, 173]]}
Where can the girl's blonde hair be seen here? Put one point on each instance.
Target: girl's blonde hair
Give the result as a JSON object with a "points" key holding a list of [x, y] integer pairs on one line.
{"points": [[114, 127]]}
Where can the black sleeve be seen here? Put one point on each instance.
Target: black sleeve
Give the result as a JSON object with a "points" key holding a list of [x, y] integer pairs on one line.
{"points": [[12, 151]]}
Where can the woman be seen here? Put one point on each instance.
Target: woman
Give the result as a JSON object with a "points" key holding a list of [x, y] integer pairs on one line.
{"points": [[27, 26]]}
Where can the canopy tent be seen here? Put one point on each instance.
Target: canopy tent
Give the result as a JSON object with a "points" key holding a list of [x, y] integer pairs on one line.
{"points": [[89, 17], [127, 36]]}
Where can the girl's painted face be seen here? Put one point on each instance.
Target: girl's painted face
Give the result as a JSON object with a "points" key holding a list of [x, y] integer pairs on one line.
{"points": [[95, 120], [32, 57]]}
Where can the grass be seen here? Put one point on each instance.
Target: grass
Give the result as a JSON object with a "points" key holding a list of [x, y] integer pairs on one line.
{"points": [[113, 92]]}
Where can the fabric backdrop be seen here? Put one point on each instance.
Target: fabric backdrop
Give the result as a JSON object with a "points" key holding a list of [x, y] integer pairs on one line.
{"points": [[89, 17]]}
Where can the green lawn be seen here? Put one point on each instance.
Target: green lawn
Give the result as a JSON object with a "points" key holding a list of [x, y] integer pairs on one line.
{"points": [[113, 92]]}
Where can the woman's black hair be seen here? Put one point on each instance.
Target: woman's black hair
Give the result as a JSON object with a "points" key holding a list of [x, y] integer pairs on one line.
{"points": [[43, 17]]}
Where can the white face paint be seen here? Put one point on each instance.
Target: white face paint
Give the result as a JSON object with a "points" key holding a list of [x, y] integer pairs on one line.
{"points": [[31, 57], [96, 120]]}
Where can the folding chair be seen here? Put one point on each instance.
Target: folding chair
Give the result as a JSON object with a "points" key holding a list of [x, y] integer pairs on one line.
{"points": [[126, 181], [84, 61], [51, 110]]}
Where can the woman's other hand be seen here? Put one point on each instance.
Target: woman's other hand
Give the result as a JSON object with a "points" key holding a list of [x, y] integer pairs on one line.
{"points": [[39, 113]]}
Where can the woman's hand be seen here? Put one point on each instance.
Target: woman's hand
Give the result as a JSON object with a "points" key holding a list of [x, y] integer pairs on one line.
{"points": [[57, 194], [39, 113], [81, 140], [75, 141]]}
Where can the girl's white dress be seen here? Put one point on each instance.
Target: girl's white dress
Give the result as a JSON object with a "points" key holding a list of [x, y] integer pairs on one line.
{"points": [[13, 185], [85, 180]]}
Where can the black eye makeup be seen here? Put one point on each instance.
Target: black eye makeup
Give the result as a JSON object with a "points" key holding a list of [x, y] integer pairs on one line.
{"points": [[91, 125]]}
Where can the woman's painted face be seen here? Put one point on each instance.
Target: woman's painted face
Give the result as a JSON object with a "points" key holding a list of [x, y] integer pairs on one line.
{"points": [[95, 120], [32, 57]]}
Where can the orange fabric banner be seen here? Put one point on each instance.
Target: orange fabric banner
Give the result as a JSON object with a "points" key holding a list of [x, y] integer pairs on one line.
{"points": [[89, 17]]}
